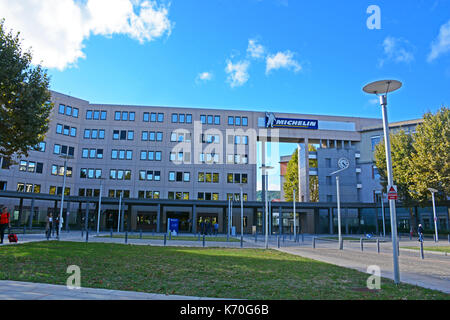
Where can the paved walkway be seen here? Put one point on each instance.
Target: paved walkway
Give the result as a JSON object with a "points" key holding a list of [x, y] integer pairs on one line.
{"points": [[16, 290]]}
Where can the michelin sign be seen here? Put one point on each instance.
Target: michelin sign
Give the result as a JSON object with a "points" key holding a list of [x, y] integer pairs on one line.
{"points": [[274, 122]]}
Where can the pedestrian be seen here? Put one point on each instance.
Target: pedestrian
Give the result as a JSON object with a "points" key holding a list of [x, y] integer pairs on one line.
{"points": [[420, 232], [56, 225], [48, 225], [216, 228], [208, 227], [4, 222], [202, 227]]}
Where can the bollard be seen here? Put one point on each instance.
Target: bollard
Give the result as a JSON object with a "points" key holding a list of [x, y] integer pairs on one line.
{"points": [[361, 244], [256, 237], [203, 241], [82, 233], [278, 241], [314, 242], [126, 236], [242, 241], [165, 239], [378, 245], [303, 238], [87, 235], [111, 232], [421, 250], [170, 235], [341, 244], [140, 236]]}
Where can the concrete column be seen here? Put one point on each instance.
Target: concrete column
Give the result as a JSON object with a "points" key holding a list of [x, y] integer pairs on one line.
{"points": [[328, 143], [86, 216], [158, 218], [346, 220], [130, 218], [280, 221], [66, 220], [263, 181], [194, 219], [30, 218]]}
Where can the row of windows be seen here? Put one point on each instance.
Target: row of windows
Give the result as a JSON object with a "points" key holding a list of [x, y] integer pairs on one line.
{"points": [[96, 115], [237, 121], [118, 174], [90, 173], [149, 175], [94, 134], [151, 136], [208, 177], [115, 193], [153, 117], [121, 154], [68, 111], [181, 118], [92, 153], [59, 171], [151, 155], [180, 137], [209, 119], [63, 150], [237, 178], [31, 166], [124, 116], [66, 130], [179, 176], [123, 135]]}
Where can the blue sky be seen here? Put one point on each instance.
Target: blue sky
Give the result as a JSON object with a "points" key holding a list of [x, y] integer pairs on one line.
{"points": [[310, 57]]}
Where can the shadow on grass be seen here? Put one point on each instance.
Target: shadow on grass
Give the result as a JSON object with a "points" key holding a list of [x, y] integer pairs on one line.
{"points": [[208, 272]]}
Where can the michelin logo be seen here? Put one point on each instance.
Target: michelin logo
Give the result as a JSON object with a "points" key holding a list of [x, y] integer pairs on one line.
{"points": [[274, 122]]}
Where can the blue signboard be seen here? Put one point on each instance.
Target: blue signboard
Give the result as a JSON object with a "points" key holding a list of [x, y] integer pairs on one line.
{"points": [[173, 225], [274, 122]]}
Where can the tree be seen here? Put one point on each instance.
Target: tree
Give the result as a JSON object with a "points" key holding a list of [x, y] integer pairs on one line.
{"points": [[24, 98], [291, 178], [430, 162], [401, 153]]}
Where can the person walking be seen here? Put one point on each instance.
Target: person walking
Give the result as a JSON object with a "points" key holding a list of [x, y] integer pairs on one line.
{"points": [[216, 228], [48, 225], [4, 222], [56, 224], [420, 232]]}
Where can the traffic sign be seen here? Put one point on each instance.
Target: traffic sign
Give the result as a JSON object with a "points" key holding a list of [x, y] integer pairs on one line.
{"points": [[392, 192]]}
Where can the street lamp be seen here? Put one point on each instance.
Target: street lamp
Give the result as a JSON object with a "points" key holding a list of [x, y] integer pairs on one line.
{"points": [[343, 164], [264, 169], [433, 191], [65, 157], [99, 205], [242, 211], [383, 87]]}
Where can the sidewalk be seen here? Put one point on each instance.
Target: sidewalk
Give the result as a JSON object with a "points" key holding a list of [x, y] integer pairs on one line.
{"points": [[16, 290]]}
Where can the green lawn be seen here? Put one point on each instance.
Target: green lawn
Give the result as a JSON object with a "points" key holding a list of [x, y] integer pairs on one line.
{"points": [[210, 272], [435, 248], [179, 238]]}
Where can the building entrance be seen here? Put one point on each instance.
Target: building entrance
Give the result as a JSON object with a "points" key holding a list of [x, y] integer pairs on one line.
{"points": [[146, 221], [184, 221]]}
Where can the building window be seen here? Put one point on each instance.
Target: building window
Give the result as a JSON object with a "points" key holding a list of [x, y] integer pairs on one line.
{"points": [[174, 118], [375, 140], [245, 121], [160, 117], [230, 121]]}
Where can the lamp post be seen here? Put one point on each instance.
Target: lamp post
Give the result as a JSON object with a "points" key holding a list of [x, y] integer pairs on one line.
{"points": [[382, 210], [295, 218], [242, 211], [264, 169], [99, 205], [383, 87], [343, 164], [120, 209], [433, 191], [65, 157]]}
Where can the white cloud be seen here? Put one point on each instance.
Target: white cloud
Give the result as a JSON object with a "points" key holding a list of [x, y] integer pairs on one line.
{"points": [[397, 50], [237, 73], [56, 29], [442, 44], [255, 50], [282, 60], [204, 76]]}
